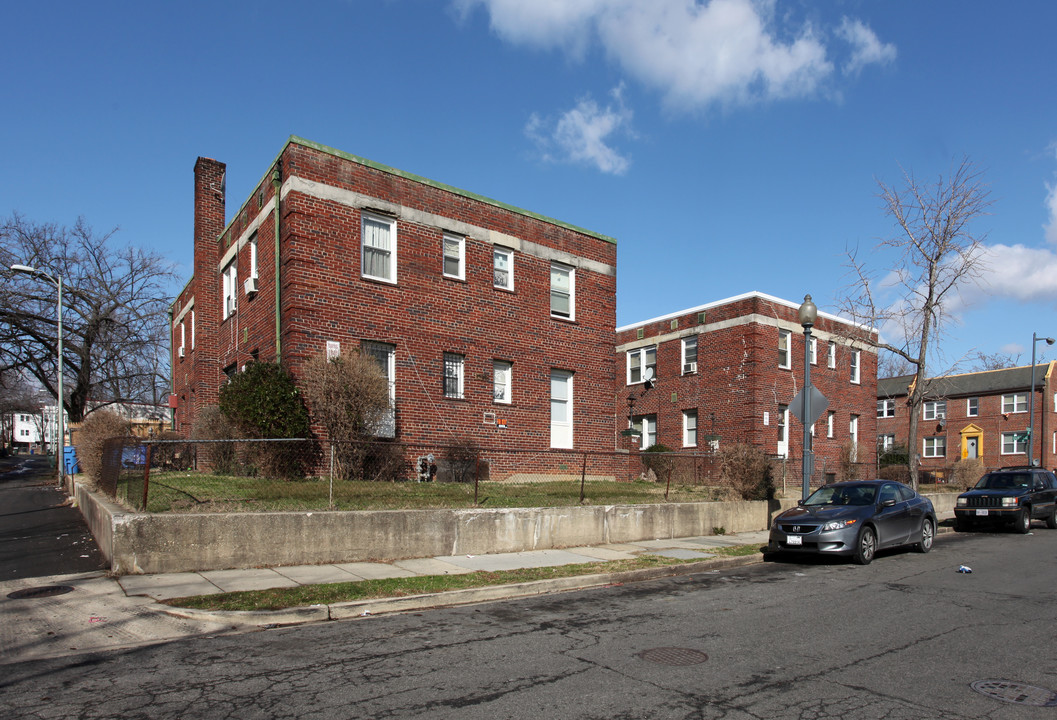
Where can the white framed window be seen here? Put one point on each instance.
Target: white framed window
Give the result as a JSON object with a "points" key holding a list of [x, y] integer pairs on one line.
{"points": [[856, 359], [454, 366], [639, 362], [886, 408], [934, 447], [853, 435], [814, 351], [501, 381], [1015, 443], [503, 268], [829, 424], [230, 289], [1014, 403], [561, 409], [689, 428], [183, 338], [784, 340], [385, 355], [647, 426], [192, 329], [563, 291], [454, 256], [783, 430], [972, 407], [378, 247], [886, 442], [934, 410], [690, 355], [831, 356], [253, 254]]}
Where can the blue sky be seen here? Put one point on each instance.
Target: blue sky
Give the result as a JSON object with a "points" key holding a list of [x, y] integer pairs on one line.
{"points": [[728, 146]]}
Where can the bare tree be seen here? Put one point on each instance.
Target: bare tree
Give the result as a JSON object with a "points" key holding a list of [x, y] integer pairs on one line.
{"points": [[935, 253], [995, 361], [114, 314]]}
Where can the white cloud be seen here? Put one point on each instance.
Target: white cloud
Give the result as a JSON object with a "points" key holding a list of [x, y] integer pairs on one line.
{"points": [[584, 134], [866, 47], [1020, 273], [696, 54]]}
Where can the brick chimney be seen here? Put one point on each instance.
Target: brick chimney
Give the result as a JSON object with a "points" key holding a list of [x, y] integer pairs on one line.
{"points": [[208, 224]]}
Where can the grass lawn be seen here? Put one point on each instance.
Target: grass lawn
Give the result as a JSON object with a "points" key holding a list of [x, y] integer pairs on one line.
{"points": [[305, 595], [200, 492]]}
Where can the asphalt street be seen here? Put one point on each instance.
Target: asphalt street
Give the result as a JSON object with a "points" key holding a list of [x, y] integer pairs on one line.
{"points": [[41, 533], [905, 637]]}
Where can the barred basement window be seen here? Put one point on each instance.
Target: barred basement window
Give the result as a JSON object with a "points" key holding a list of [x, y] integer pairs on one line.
{"points": [[453, 375]]}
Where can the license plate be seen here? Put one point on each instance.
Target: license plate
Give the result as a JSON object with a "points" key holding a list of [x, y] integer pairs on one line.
{"points": [[981, 511], [794, 540]]}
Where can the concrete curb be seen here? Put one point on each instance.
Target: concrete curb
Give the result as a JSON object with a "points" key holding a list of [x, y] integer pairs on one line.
{"points": [[381, 606]]}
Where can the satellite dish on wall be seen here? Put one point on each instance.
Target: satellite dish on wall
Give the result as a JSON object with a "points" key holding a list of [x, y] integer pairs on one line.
{"points": [[647, 376]]}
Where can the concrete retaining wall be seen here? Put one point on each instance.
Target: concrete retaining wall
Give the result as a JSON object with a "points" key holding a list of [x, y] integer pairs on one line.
{"points": [[142, 543]]}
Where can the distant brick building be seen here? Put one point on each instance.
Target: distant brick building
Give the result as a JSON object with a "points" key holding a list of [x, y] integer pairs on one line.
{"points": [[726, 372], [490, 322], [973, 415]]}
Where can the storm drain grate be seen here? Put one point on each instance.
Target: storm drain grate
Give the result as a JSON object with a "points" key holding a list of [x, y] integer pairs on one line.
{"points": [[39, 592], [674, 656], [1014, 692]]}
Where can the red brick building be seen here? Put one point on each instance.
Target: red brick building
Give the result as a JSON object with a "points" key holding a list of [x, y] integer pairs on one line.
{"points": [[727, 372], [973, 415], [491, 322]]}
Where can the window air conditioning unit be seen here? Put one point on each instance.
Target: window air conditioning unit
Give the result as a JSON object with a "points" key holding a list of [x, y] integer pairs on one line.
{"points": [[180, 351], [250, 285], [690, 367]]}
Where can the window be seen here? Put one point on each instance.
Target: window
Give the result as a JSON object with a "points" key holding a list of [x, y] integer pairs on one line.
{"points": [[647, 425], [853, 434], [563, 291], [886, 408], [934, 410], [856, 358], [455, 257], [1014, 443], [935, 447], [183, 338], [690, 355], [253, 254], [230, 285], [886, 442], [453, 373], [972, 407], [501, 374], [561, 409], [829, 424], [831, 359], [503, 268], [642, 364], [1014, 403], [689, 428], [385, 355], [783, 348], [378, 245], [192, 329], [814, 351]]}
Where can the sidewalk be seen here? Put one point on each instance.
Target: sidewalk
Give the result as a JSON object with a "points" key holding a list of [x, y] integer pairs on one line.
{"points": [[96, 612]]}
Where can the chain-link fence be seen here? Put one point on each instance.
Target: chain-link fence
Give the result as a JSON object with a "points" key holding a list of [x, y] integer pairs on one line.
{"points": [[266, 475]]}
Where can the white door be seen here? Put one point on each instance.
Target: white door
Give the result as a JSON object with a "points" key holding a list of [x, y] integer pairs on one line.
{"points": [[561, 409]]}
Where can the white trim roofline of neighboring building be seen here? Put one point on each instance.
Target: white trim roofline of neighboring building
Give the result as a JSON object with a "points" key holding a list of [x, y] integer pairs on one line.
{"points": [[737, 298]]}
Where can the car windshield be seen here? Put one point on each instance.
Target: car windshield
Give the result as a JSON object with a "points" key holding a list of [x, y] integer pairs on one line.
{"points": [[1004, 481], [843, 495]]}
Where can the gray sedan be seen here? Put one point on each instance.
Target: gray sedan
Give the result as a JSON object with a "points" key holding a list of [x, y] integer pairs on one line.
{"points": [[856, 518]]}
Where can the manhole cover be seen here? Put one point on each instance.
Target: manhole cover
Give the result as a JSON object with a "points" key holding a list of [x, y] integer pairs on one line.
{"points": [[40, 592], [674, 656], [1014, 692]]}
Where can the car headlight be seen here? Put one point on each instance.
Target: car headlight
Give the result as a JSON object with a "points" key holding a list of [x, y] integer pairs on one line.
{"points": [[962, 502], [837, 524], [1009, 501]]}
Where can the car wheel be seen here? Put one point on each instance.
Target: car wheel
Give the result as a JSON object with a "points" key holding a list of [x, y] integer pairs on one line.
{"points": [[928, 534], [1051, 519], [1022, 523], [865, 547]]}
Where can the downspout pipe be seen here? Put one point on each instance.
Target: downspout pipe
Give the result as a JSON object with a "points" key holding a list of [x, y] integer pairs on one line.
{"points": [[172, 369], [277, 181]]}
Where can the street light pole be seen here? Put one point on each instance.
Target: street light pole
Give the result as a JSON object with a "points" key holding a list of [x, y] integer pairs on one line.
{"points": [[1031, 400], [60, 434], [807, 314]]}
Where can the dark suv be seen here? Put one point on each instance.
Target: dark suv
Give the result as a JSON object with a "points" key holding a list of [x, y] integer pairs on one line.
{"points": [[1011, 495]]}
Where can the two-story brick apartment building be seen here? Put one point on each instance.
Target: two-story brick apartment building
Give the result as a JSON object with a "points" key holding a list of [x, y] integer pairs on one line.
{"points": [[727, 372], [973, 415], [491, 323]]}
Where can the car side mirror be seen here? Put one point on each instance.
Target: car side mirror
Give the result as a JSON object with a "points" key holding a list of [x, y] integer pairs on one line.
{"points": [[888, 503]]}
